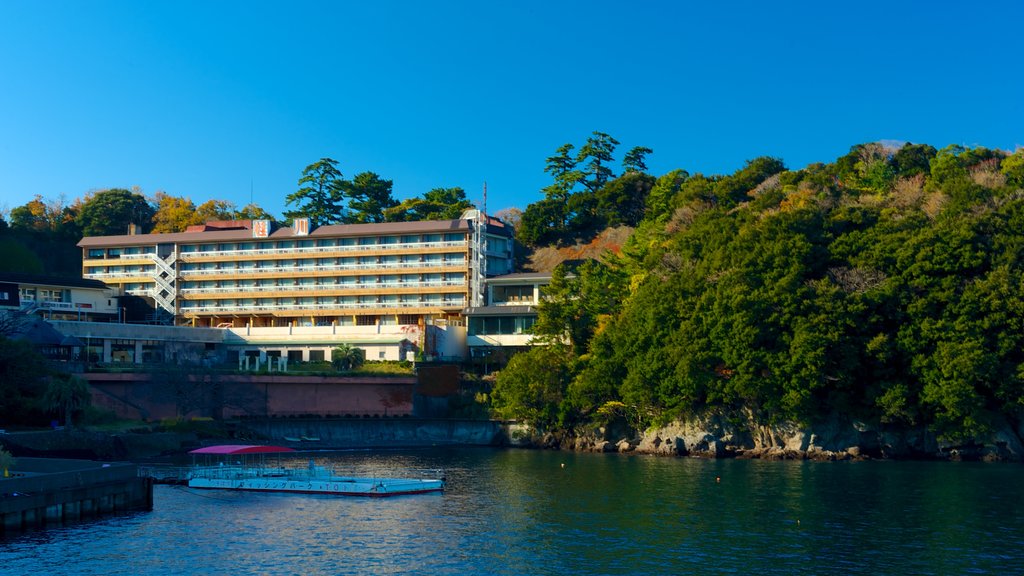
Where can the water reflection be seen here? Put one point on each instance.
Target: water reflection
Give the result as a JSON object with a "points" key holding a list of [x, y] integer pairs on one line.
{"points": [[523, 512]]}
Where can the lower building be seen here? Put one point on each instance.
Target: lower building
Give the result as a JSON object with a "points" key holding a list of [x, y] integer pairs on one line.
{"points": [[59, 298], [504, 325]]}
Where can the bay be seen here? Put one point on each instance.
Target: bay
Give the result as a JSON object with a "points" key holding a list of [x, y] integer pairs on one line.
{"points": [[539, 512]]}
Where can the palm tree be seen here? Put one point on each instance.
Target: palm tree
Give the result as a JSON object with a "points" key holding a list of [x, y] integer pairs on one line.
{"points": [[66, 393], [346, 357]]}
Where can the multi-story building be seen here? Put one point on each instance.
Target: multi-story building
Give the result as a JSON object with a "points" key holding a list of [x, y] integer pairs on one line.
{"points": [[58, 298], [389, 279], [503, 325]]}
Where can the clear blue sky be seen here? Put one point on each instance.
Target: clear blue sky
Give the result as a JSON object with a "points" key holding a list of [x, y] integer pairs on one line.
{"points": [[211, 99]]}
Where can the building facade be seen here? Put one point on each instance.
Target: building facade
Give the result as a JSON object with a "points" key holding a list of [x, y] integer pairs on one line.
{"points": [[58, 298], [305, 290], [503, 325]]}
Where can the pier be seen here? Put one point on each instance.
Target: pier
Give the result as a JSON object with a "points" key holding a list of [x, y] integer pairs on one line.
{"points": [[45, 492]]}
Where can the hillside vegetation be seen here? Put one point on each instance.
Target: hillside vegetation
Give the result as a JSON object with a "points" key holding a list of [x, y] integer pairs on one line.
{"points": [[885, 286]]}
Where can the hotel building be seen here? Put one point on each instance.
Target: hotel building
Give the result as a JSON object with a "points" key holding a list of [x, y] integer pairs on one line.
{"points": [[298, 291]]}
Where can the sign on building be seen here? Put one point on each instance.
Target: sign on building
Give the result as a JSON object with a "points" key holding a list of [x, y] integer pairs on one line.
{"points": [[300, 227], [260, 228]]}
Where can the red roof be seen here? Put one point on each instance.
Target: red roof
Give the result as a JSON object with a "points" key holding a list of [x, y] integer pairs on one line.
{"points": [[231, 449]]}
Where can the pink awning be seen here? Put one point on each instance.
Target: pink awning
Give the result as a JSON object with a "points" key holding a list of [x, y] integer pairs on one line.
{"points": [[232, 449]]}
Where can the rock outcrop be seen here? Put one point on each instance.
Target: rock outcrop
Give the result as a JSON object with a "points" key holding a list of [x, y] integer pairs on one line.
{"points": [[719, 435]]}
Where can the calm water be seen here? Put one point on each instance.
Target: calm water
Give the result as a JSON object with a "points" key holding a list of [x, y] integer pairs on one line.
{"points": [[522, 512]]}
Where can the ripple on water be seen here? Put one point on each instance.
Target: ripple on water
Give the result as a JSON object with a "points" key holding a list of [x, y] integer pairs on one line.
{"points": [[522, 512]]}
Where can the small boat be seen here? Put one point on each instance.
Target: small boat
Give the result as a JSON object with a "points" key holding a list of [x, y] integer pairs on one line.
{"points": [[246, 467]]}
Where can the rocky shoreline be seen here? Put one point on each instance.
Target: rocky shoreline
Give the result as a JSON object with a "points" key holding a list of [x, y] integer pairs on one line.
{"points": [[833, 439]]}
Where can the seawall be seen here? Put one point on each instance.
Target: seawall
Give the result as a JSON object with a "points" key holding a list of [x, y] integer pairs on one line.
{"points": [[48, 492], [343, 433]]}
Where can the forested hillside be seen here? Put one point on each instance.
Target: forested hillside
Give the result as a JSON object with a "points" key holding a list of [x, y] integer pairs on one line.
{"points": [[885, 286]]}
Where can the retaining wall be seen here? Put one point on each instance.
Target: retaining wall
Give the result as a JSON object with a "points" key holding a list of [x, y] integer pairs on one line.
{"points": [[373, 432], [47, 491]]}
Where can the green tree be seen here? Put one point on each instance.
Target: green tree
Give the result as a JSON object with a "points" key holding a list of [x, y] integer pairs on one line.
{"points": [[574, 304], [253, 212], [369, 196], [21, 380], [66, 394], [948, 164], [320, 194], [437, 204], [18, 258], [532, 386], [1013, 168], [562, 168], [635, 159], [659, 199], [543, 222], [596, 155], [913, 159], [624, 200], [109, 212], [30, 216], [47, 216]]}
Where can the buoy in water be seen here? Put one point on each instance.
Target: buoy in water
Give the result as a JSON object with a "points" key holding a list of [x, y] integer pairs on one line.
{"points": [[563, 464]]}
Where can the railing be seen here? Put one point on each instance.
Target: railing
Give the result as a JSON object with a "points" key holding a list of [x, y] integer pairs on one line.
{"points": [[322, 268], [130, 274], [185, 256], [49, 304], [323, 306], [321, 287]]}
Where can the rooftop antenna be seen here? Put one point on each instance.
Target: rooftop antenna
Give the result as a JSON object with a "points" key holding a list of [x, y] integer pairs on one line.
{"points": [[483, 209]]}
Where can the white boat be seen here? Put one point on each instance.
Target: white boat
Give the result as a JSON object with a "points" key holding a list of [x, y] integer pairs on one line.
{"points": [[247, 467]]}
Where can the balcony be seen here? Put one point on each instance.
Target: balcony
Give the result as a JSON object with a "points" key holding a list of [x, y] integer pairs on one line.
{"points": [[363, 250], [323, 288], [323, 270], [291, 309]]}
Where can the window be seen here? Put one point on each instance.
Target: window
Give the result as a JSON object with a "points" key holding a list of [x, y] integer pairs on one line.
{"points": [[500, 325], [316, 355], [497, 244], [381, 354]]}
